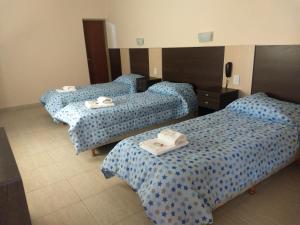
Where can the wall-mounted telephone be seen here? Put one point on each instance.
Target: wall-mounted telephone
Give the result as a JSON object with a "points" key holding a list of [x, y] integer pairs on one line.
{"points": [[228, 72], [228, 69]]}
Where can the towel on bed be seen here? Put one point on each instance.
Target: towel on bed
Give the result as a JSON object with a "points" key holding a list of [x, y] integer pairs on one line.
{"points": [[167, 140], [97, 105], [66, 89], [104, 99]]}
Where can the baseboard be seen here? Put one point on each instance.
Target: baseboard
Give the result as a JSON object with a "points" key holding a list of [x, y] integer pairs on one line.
{"points": [[20, 107]]}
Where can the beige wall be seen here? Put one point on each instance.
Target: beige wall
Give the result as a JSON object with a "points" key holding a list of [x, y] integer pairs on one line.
{"points": [[125, 60], [238, 25], [242, 58], [42, 46], [155, 62], [175, 23]]}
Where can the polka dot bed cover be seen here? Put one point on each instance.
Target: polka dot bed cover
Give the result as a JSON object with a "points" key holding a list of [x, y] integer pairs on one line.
{"points": [[55, 101], [228, 151], [162, 102]]}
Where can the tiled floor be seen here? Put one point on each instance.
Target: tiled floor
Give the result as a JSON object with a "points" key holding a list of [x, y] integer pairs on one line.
{"points": [[65, 189]]}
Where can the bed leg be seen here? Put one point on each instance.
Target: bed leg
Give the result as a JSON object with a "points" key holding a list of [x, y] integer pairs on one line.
{"points": [[252, 190]]}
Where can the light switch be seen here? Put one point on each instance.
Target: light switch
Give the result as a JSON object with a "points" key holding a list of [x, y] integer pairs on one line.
{"points": [[236, 79]]}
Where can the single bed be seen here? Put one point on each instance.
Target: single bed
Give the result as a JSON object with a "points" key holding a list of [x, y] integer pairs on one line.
{"points": [[228, 152], [162, 102], [55, 101]]}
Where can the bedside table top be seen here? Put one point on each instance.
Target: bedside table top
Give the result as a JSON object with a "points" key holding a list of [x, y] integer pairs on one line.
{"points": [[154, 78], [218, 90]]}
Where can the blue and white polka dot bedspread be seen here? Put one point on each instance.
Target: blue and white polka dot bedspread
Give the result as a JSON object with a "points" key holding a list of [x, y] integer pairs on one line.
{"points": [[228, 151], [164, 101], [54, 101]]}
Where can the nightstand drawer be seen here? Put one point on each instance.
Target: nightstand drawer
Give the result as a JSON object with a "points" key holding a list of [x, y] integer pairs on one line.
{"points": [[212, 99], [202, 93], [209, 103]]}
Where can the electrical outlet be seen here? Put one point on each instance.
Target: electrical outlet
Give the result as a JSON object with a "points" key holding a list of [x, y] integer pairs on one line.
{"points": [[236, 79]]}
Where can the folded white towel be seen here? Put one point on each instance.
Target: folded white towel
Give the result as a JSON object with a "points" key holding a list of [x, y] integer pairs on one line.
{"points": [[103, 99], [155, 147], [97, 105], [69, 88], [167, 140], [66, 89]]}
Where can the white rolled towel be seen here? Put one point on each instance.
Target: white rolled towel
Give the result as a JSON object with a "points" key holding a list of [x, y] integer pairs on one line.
{"points": [[105, 100], [170, 137], [97, 105]]}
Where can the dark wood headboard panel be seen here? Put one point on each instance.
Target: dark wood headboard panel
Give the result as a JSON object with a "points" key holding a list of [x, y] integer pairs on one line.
{"points": [[115, 63], [200, 66], [139, 61], [277, 71]]}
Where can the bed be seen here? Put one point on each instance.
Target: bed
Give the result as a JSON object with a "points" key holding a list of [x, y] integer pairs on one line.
{"points": [[162, 102], [55, 101], [228, 152]]}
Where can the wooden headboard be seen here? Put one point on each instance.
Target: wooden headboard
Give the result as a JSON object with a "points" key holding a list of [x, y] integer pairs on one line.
{"points": [[277, 71], [200, 66], [115, 63], [139, 61]]}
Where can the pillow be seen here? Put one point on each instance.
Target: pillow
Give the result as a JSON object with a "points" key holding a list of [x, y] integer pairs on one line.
{"points": [[166, 87], [183, 91], [130, 79], [263, 107]]}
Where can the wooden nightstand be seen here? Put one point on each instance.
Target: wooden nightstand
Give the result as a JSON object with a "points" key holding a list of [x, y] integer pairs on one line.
{"points": [[143, 83], [153, 80], [213, 99]]}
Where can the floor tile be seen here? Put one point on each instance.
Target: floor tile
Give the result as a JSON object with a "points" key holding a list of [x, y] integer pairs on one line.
{"points": [[135, 219], [76, 166], [91, 183], [41, 177], [32, 162], [76, 214], [51, 198], [114, 204]]}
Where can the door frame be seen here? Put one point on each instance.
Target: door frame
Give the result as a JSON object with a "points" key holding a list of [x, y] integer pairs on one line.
{"points": [[106, 44]]}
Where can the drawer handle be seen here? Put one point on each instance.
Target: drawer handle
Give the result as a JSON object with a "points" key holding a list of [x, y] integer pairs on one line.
{"points": [[206, 95], [206, 103]]}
